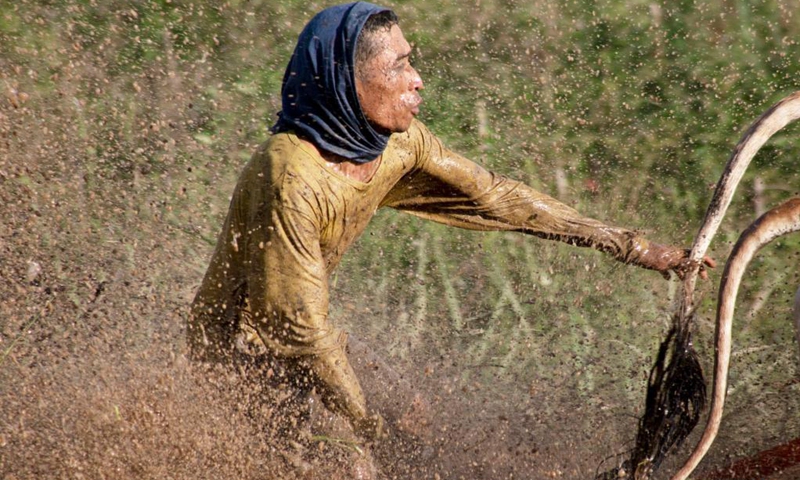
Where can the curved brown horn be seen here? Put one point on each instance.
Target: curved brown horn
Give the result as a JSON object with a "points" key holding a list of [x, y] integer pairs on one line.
{"points": [[774, 119], [778, 221]]}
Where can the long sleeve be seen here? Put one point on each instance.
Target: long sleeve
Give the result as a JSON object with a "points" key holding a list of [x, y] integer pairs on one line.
{"points": [[268, 271], [450, 189], [286, 274]]}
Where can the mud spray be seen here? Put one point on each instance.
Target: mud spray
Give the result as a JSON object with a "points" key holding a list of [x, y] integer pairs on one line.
{"points": [[122, 129]]}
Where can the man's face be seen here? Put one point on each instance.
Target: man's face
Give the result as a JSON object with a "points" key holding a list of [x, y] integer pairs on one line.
{"points": [[388, 87]]}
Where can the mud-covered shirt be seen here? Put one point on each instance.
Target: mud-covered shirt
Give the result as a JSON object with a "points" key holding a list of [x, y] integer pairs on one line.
{"points": [[292, 218]]}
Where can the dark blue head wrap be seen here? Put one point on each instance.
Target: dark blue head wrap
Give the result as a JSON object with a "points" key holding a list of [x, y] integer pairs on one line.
{"points": [[319, 98]]}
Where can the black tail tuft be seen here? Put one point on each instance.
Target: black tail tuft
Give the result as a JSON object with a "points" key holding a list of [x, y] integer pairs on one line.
{"points": [[676, 395]]}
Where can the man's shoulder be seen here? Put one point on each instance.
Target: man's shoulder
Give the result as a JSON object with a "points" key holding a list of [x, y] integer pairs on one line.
{"points": [[281, 147], [282, 152], [276, 157]]}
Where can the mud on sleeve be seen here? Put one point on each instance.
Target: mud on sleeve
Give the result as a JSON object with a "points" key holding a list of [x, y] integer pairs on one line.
{"points": [[452, 190], [287, 276]]}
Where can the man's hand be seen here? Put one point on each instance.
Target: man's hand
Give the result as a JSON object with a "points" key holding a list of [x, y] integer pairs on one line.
{"points": [[665, 258]]}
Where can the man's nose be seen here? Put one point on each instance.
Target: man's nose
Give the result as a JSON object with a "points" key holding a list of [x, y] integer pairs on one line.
{"points": [[416, 81]]}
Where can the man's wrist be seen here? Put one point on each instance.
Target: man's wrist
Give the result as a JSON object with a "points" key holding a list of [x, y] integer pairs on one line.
{"points": [[655, 256]]}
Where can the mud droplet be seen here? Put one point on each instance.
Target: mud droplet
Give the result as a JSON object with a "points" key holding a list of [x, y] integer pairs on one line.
{"points": [[34, 269]]}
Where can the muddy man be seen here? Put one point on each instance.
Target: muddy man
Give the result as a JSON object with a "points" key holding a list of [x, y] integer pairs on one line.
{"points": [[347, 143]]}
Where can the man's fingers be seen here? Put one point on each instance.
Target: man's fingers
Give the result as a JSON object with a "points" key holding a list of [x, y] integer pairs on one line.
{"points": [[677, 260], [708, 262]]}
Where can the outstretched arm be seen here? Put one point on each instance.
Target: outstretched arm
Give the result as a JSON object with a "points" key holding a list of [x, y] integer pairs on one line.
{"points": [[448, 188]]}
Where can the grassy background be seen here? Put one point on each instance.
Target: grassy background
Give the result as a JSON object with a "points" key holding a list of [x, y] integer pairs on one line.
{"points": [[124, 124]]}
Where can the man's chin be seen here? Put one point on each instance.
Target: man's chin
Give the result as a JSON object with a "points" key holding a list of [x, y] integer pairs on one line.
{"points": [[402, 128]]}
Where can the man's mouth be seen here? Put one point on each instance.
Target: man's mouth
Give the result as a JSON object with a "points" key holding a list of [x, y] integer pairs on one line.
{"points": [[415, 106], [413, 102]]}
